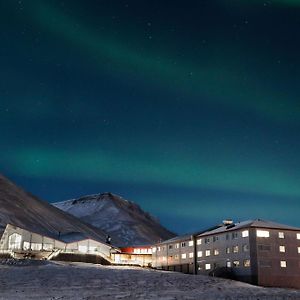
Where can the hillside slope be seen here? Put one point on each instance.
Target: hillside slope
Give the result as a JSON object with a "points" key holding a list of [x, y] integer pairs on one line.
{"points": [[122, 219], [22, 209]]}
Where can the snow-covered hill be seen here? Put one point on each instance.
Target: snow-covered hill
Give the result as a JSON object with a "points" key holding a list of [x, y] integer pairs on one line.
{"points": [[22, 209], [122, 219]]}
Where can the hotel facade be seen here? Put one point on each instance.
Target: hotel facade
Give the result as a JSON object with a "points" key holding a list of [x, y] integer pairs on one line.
{"points": [[259, 252]]}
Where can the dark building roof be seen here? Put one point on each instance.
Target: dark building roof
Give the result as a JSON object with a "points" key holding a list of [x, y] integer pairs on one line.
{"points": [[221, 228]]}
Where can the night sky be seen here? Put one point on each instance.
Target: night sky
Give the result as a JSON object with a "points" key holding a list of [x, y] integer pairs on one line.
{"points": [[189, 108]]}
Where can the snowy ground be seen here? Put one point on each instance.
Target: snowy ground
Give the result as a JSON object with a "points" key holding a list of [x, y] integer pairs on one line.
{"points": [[57, 280]]}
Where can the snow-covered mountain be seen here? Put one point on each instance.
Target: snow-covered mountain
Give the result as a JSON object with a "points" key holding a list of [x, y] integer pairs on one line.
{"points": [[22, 209], [122, 219]]}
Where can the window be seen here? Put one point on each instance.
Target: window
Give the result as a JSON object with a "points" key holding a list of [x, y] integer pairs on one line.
{"points": [[164, 258], [298, 236], [207, 253], [264, 247], [183, 244], [281, 248], [177, 246], [26, 246], [47, 247], [262, 233], [163, 248], [199, 242], [207, 240], [246, 263], [207, 266], [227, 236], [199, 254], [235, 249], [281, 235], [94, 249], [191, 243], [170, 247], [36, 246], [245, 233], [183, 255], [236, 263], [216, 252], [176, 256], [265, 263], [158, 248], [283, 264], [234, 235], [14, 241], [215, 238], [82, 248], [153, 249], [228, 264], [245, 248], [191, 255], [299, 250], [227, 250]]}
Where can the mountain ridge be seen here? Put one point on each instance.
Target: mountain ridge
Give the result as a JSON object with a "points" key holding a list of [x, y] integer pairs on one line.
{"points": [[122, 219]]}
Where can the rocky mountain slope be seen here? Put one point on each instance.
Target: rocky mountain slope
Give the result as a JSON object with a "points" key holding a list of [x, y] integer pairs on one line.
{"points": [[122, 219], [22, 209]]}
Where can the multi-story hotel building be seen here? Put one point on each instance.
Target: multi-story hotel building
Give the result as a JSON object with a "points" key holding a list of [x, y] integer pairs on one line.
{"points": [[259, 252]]}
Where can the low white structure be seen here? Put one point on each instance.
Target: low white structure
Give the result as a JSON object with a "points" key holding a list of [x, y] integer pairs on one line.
{"points": [[19, 241]]}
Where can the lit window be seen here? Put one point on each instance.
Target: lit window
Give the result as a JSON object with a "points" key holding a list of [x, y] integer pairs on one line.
{"points": [[298, 236], [26, 246], [227, 250], [47, 247], [191, 255], [281, 235], [298, 249], [207, 253], [183, 255], [191, 243], [158, 248], [246, 263], [283, 264], [82, 248], [153, 249], [164, 258], [207, 266], [236, 263], [216, 252], [228, 264], [183, 244], [199, 242], [14, 241], [177, 246], [245, 233], [281, 248], [137, 251], [199, 254], [262, 233], [36, 246], [235, 249]]}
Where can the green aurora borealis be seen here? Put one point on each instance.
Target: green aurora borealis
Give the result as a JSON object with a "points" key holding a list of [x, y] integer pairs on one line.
{"points": [[191, 110]]}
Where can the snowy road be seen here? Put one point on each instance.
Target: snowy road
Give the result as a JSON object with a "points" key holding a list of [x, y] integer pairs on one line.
{"points": [[87, 281]]}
